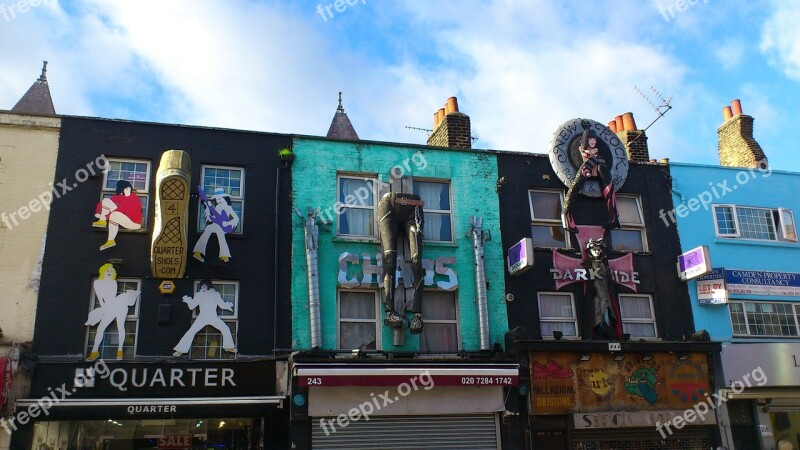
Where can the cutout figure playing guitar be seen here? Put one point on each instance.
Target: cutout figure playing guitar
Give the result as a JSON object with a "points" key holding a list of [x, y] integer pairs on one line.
{"points": [[221, 219]]}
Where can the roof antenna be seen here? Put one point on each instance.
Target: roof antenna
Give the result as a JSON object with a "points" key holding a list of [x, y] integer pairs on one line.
{"points": [[661, 108]]}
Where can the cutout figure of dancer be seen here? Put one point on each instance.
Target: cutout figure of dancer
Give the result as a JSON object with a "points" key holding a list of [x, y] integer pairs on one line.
{"points": [[208, 299], [113, 308], [221, 219]]}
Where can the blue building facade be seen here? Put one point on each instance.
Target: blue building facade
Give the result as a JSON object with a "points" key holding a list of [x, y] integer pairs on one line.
{"points": [[751, 301]]}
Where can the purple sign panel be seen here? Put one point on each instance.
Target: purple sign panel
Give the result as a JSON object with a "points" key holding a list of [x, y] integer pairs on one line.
{"points": [[694, 263]]}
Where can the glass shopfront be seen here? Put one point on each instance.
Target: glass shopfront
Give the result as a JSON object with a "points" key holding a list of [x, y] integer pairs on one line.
{"points": [[162, 434]]}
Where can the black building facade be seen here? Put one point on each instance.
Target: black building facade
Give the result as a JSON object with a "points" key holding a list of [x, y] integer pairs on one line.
{"points": [[588, 384], [195, 280]]}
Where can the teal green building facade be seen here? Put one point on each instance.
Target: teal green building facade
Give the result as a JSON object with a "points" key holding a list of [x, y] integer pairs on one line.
{"points": [[326, 171]]}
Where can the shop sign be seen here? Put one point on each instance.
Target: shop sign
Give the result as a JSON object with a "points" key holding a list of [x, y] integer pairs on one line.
{"points": [[126, 378], [566, 382], [151, 409], [779, 364], [175, 441], [694, 263], [360, 271], [711, 289], [757, 282], [625, 419]]}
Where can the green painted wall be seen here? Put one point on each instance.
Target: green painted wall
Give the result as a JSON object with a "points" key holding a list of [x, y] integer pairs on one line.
{"points": [[473, 176]]}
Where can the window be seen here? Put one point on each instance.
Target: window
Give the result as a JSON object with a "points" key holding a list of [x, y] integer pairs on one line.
{"points": [[731, 221], [764, 319], [358, 217], [137, 173], [546, 228], [638, 318], [631, 237], [229, 179], [440, 315], [208, 342], [436, 195], [557, 313], [358, 320], [110, 340]]}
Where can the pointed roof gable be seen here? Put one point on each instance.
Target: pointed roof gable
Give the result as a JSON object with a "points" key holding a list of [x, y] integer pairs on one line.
{"points": [[341, 128], [37, 100]]}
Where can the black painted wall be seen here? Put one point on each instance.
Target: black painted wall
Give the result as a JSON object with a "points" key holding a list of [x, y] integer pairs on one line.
{"points": [[72, 256], [656, 268]]}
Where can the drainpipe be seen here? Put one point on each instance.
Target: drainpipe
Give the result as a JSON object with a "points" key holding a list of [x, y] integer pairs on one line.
{"points": [[312, 233], [480, 281]]}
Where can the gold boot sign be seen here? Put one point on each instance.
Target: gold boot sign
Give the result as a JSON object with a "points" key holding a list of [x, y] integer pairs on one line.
{"points": [[168, 251]]}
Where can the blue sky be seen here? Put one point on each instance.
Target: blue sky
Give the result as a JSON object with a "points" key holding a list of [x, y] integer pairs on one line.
{"points": [[518, 68]]}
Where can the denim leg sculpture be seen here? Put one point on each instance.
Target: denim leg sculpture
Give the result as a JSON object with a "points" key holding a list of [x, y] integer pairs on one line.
{"points": [[397, 210]]}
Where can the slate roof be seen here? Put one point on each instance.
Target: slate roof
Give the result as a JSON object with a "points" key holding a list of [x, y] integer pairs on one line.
{"points": [[37, 100], [341, 128]]}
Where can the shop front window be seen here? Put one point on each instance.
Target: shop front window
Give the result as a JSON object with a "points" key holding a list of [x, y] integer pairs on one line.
{"points": [[133, 434]]}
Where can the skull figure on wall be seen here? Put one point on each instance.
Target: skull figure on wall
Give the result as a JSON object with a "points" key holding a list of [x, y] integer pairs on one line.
{"points": [[401, 212], [604, 315]]}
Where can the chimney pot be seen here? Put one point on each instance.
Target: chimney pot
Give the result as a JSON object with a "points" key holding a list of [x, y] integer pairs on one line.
{"points": [[435, 119], [620, 125], [441, 114], [727, 113], [737, 107], [613, 125], [452, 103], [628, 123]]}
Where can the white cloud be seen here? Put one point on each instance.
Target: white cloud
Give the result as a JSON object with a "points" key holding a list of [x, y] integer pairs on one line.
{"points": [[780, 40], [729, 53]]}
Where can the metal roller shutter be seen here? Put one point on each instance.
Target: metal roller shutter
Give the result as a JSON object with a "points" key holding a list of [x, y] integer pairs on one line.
{"points": [[478, 431]]}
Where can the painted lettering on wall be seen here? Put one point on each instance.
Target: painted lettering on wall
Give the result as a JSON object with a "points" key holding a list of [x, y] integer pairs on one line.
{"points": [[138, 377], [365, 271]]}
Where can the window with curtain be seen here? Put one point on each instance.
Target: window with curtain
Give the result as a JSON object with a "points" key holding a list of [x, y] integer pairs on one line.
{"points": [[358, 215], [631, 236], [137, 173], [638, 318], [557, 313], [440, 313], [546, 228], [110, 344], [207, 343], [358, 320], [436, 195], [230, 179]]}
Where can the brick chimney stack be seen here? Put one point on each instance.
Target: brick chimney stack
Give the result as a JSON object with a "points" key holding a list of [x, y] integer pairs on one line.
{"points": [[737, 147], [450, 127], [635, 140]]}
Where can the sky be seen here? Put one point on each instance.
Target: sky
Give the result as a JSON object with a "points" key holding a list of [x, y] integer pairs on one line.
{"points": [[518, 68]]}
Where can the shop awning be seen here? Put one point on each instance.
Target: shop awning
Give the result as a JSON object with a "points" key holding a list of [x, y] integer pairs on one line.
{"points": [[343, 374], [122, 408]]}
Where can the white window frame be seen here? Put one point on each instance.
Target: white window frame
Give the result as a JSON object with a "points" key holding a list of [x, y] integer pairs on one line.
{"points": [[786, 217], [222, 355], [234, 198], [374, 208], [142, 194], [128, 318], [781, 218], [548, 222], [554, 319], [793, 307], [456, 321], [376, 321], [630, 226], [650, 320], [449, 212]]}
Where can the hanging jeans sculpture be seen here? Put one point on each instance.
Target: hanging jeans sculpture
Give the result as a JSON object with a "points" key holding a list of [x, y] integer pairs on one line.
{"points": [[397, 210]]}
